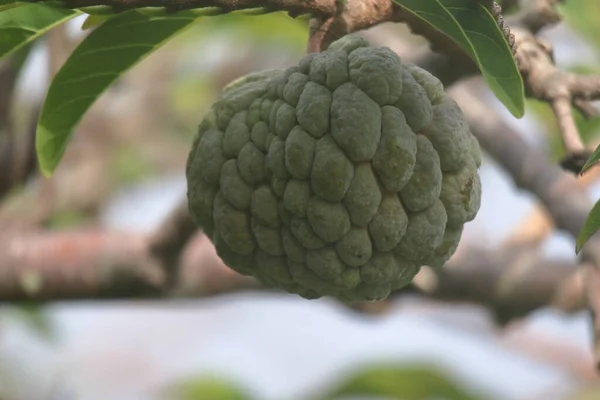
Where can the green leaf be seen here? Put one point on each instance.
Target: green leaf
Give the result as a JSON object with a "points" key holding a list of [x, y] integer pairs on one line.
{"points": [[594, 158], [492, 51], [93, 21], [207, 388], [104, 55], [8, 4], [401, 382], [474, 29], [21, 25], [590, 227]]}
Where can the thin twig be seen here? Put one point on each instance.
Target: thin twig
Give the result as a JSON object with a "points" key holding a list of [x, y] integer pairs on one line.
{"points": [[171, 237], [566, 125]]}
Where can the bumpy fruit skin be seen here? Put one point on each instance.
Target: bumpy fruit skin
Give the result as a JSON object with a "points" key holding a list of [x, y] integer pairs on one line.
{"points": [[339, 177]]}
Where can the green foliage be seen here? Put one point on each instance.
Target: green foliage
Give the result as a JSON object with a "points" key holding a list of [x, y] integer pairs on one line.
{"points": [[19, 57], [582, 16], [205, 388], [594, 158], [65, 219], [96, 63], [21, 25], [93, 21], [590, 227], [290, 32], [475, 30], [592, 223], [411, 382], [401, 382], [129, 165]]}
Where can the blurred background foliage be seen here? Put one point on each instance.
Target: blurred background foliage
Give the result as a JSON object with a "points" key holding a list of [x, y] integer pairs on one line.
{"points": [[374, 382], [144, 131], [582, 17]]}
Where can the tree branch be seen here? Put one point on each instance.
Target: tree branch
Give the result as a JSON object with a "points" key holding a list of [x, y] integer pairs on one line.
{"points": [[294, 7], [170, 239], [77, 265], [537, 14], [534, 229], [566, 124], [104, 265], [511, 283], [546, 82]]}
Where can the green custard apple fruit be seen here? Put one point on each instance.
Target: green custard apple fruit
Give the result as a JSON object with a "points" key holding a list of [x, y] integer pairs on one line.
{"points": [[340, 176]]}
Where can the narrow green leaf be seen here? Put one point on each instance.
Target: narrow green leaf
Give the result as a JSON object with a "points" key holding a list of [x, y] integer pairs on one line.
{"points": [[590, 227], [104, 55], [21, 25], [474, 29], [594, 158]]}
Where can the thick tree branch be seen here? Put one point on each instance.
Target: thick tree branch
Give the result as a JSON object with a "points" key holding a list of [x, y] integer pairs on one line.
{"points": [[81, 265], [294, 7], [344, 16], [76, 265], [511, 283], [109, 266], [538, 225], [358, 15]]}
